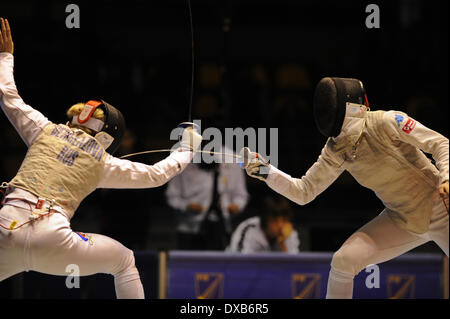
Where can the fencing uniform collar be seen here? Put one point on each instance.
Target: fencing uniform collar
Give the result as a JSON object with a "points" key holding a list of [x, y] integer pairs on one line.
{"points": [[352, 127]]}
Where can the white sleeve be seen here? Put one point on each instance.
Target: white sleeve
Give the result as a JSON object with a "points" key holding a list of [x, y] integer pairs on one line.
{"points": [[404, 128], [236, 192], [254, 242], [239, 195], [120, 173], [28, 122], [174, 194], [292, 243], [303, 190]]}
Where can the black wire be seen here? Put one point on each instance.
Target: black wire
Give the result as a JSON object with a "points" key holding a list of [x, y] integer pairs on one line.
{"points": [[192, 56]]}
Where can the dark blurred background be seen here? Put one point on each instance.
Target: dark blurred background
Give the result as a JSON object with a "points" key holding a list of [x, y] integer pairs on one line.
{"points": [[256, 65]]}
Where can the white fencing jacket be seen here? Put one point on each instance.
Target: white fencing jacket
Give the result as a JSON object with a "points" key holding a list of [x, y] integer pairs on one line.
{"points": [[64, 164], [382, 150]]}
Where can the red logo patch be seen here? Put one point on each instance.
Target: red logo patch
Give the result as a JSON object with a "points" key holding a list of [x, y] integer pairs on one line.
{"points": [[409, 126]]}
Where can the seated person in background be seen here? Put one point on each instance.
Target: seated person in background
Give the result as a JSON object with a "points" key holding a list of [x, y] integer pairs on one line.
{"points": [[271, 231]]}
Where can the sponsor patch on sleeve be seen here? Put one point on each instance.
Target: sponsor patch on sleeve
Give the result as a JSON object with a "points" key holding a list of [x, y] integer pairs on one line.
{"points": [[409, 126], [398, 119]]}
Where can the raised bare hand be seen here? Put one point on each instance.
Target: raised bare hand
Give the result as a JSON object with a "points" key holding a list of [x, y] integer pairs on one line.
{"points": [[6, 42]]}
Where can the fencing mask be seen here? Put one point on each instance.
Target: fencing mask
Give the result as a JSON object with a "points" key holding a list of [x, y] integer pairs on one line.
{"points": [[330, 98], [110, 132]]}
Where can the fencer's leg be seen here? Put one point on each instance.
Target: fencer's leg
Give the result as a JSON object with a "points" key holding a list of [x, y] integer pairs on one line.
{"points": [[11, 244], [378, 241], [128, 282], [340, 284], [55, 246], [438, 231]]}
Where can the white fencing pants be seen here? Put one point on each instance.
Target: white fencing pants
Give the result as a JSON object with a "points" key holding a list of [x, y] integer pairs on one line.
{"points": [[378, 241], [49, 245]]}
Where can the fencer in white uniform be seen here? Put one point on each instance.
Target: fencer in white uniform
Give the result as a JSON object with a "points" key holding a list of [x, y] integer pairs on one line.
{"points": [[383, 151], [62, 166]]}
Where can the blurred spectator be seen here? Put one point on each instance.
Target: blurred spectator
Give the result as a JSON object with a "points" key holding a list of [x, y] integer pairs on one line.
{"points": [[271, 231], [207, 197]]}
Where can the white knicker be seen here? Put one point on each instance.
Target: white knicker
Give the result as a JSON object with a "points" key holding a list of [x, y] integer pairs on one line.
{"points": [[381, 240], [49, 245]]}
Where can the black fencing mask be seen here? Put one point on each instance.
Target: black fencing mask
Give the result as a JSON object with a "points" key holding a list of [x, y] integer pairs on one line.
{"points": [[330, 99]]}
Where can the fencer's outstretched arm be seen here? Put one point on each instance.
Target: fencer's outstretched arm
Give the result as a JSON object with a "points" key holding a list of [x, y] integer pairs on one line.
{"points": [[121, 173], [401, 127], [28, 122], [303, 190]]}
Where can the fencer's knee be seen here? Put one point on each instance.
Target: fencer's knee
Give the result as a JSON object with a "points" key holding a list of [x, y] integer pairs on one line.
{"points": [[125, 262], [128, 273], [346, 261]]}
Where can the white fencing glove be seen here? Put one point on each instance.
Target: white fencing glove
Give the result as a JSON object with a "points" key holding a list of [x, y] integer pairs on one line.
{"points": [[190, 139], [255, 165]]}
